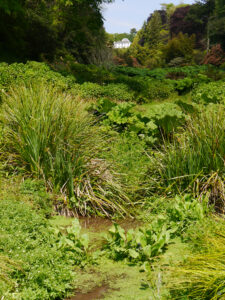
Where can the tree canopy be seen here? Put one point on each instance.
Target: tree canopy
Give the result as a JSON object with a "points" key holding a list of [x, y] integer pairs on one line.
{"points": [[31, 29]]}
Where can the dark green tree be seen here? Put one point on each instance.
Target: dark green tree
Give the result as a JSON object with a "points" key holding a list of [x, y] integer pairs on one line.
{"points": [[32, 29]]}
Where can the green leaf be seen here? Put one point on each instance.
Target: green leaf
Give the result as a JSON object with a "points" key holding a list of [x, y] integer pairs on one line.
{"points": [[133, 253]]}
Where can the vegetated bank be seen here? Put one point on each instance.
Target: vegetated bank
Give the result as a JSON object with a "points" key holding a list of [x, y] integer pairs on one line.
{"points": [[117, 142]]}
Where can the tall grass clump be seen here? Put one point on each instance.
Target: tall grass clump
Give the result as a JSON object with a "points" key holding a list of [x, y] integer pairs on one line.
{"points": [[196, 158], [201, 276], [7, 266], [49, 134]]}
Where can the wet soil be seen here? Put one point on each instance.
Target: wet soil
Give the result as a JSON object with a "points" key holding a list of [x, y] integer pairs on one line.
{"points": [[95, 226], [96, 293], [100, 224]]}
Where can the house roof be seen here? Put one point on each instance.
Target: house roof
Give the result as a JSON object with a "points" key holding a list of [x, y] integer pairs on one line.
{"points": [[125, 40]]}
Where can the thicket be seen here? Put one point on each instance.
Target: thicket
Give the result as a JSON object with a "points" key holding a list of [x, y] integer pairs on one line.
{"points": [[52, 29]]}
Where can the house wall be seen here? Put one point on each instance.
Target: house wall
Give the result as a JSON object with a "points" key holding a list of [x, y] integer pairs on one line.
{"points": [[122, 45]]}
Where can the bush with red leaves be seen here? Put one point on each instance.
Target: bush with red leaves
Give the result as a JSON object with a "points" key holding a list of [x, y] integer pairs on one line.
{"points": [[216, 56]]}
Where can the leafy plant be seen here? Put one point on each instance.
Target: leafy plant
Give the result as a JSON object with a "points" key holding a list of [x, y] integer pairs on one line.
{"points": [[157, 90], [119, 91], [137, 245], [32, 71], [90, 90], [74, 242], [123, 118], [144, 243], [167, 116], [184, 85], [213, 92]]}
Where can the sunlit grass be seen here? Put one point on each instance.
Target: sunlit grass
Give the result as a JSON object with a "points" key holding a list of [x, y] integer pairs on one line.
{"points": [[49, 135]]}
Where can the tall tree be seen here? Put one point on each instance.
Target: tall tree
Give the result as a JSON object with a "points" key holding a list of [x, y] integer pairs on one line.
{"points": [[32, 28], [217, 24]]}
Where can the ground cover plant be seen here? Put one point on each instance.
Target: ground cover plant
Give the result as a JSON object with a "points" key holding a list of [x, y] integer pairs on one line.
{"points": [[39, 268], [209, 93]]}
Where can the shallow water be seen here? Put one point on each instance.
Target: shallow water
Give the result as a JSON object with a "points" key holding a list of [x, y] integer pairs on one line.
{"points": [[100, 224], [96, 293]]}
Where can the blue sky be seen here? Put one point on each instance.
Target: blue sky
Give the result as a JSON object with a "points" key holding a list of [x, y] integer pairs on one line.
{"points": [[121, 16]]}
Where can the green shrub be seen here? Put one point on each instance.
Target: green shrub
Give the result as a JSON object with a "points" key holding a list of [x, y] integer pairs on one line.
{"points": [[196, 154], [213, 92], [157, 73], [177, 61], [159, 122], [122, 118], [167, 116], [180, 46], [119, 91], [90, 73], [184, 85], [19, 73], [50, 135], [90, 90], [157, 90], [136, 84]]}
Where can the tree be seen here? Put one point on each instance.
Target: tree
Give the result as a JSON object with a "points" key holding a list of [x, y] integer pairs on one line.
{"points": [[148, 42], [180, 46], [133, 32], [217, 24], [152, 30], [200, 14], [31, 29]]}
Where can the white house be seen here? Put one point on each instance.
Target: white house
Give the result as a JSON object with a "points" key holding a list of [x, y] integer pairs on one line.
{"points": [[125, 43]]}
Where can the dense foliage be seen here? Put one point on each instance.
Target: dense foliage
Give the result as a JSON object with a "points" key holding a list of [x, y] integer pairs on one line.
{"points": [[51, 28], [111, 142], [168, 32]]}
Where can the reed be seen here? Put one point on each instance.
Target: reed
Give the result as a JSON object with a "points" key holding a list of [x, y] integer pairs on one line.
{"points": [[50, 135]]}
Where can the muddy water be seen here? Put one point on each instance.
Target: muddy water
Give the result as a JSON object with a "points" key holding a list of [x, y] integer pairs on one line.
{"points": [[96, 293], [100, 224]]}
